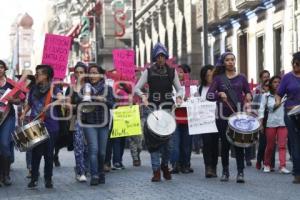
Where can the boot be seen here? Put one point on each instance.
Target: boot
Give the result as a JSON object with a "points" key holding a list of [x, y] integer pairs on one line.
{"points": [[166, 172], [225, 175], [6, 171], [175, 168], [156, 176], [208, 172], [214, 172], [296, 180]]}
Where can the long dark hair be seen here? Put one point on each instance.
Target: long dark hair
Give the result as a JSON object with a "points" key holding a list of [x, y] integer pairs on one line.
{"points": [[220, 67], [271, 89], [203, 74]]}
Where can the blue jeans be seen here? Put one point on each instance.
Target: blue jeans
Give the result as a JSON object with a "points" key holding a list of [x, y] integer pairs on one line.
{"points": [[96, 140], [181, 146], [116, 147], [164, 153], [6, 129], [294, 138]]}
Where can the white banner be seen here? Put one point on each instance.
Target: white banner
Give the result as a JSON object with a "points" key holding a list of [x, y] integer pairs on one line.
{"points": [[201, 116]]}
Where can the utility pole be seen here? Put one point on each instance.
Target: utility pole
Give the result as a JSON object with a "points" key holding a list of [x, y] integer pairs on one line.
{"points": [[133, 27], [205, 33]]}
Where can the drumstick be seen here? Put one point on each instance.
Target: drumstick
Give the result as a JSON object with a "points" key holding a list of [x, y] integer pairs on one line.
{"points": [[152, 112], [228, 104]]}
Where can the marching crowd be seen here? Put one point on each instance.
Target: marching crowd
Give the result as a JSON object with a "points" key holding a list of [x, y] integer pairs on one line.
{"points": [[87, 132]]}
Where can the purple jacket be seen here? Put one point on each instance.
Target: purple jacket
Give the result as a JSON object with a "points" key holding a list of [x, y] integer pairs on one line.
{"points": [[290, 86], [239, 84]]}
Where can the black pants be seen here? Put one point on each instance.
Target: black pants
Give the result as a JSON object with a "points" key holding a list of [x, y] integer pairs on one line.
{"points": [[222, 127], [45, 149], [262, 143], [210, 149]]}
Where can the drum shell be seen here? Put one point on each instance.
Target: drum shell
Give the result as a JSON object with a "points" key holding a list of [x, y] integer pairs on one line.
{"points": [[30, 135], [241, 139], [152, 141]]}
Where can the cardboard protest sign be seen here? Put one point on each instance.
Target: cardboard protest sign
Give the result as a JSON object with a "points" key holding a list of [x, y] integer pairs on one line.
{"points": [[124, 63], [126, 122], [201, 116], [56, 54]]}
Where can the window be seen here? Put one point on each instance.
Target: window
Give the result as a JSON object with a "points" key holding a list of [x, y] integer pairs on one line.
{"points": [[277, 50], [260, 54]]}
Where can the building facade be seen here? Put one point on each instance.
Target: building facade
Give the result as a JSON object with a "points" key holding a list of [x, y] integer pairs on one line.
{"points": [[173, 23], [96, 27], [261, 33]]}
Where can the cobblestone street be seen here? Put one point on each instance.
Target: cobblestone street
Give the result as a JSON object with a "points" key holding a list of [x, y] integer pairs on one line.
{"points": [[134, 183]]}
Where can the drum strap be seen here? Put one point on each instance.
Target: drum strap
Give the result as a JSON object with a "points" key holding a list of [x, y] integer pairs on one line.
{"points": [[266, 113], [230, 91], [47, 101]]}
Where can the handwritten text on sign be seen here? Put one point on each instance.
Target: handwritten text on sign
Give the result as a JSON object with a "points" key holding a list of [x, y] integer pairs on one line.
{"points": [[56, 53], [126, 122], [201, 116], [124, 62]]}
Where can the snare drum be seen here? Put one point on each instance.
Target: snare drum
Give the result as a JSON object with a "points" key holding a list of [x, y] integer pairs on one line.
{"points": [[294, 115], [158, 129], [30, 135], [243, 129]]}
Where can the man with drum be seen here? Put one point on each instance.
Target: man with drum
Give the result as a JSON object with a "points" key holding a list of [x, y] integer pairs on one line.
{"points": [[290, 87], [39, 101], [7, 126], [160, 78]]}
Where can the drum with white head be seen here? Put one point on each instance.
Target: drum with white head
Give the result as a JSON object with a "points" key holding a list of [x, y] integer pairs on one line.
{"points": [[243, 129]]}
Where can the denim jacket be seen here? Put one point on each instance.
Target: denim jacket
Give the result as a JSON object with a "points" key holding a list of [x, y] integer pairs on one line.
{"points": [[275, 118]]}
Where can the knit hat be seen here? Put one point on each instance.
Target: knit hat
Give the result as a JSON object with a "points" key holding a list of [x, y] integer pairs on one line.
{"points": [[159, 49]]}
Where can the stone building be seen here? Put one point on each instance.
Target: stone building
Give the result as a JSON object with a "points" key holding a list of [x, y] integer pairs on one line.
{"points": [[173, 23], [262, 34], [94, 26]]}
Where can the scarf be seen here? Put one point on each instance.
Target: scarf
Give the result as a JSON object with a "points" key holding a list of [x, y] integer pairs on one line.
{"points": [[41, 90]]}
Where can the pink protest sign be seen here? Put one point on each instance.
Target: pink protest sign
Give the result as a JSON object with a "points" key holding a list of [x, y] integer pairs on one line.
{"points": [[56, 53], [124, 63]]}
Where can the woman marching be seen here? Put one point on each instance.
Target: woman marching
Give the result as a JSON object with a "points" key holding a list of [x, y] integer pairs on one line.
{"points": [[7, 126], [160, 78], [274, 128], [228, 89], [96, 123], [210, 140], [290, 86], [80, 148], [39, 101]]}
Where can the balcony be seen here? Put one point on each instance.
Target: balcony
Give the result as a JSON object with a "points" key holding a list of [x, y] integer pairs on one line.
{"points": [[244, 4], [226, 8], [212, 16]]}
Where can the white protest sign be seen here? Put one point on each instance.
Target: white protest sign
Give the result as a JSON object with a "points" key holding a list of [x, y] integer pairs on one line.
{"points": [[201, 116]]}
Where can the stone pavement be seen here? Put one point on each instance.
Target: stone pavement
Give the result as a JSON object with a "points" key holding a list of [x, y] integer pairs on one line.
{"points": [[133, 183]]}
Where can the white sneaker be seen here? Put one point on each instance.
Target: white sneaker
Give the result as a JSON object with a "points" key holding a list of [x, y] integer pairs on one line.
{"points": [[267, 169], [81, 178], [284, 170]]}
